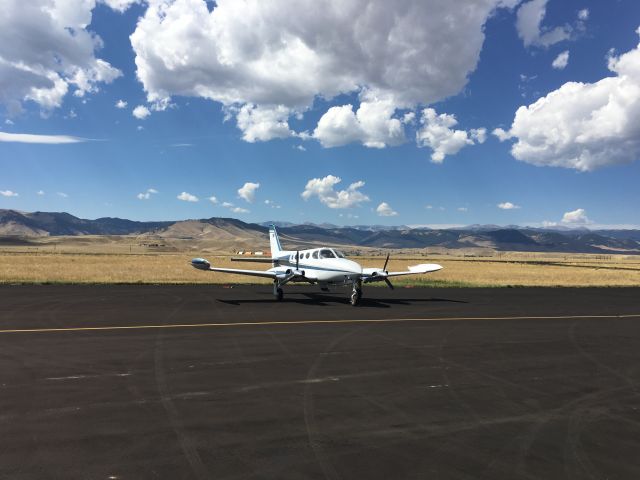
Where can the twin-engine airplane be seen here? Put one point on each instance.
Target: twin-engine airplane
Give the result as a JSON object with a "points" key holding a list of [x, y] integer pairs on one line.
{"points": [[323, 266]]}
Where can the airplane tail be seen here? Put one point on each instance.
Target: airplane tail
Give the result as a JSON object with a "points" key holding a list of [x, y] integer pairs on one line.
{"points": [[274, 241]]}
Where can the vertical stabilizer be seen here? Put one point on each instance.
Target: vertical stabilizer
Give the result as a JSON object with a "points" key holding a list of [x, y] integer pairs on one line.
{"points": [[274, 241]]}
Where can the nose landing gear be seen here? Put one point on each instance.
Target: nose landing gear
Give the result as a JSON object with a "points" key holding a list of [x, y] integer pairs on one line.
{"points": [[356, 294], [277, 292]]}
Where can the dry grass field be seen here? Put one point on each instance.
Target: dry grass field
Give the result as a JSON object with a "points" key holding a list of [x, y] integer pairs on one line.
{"points": [[119, 263]]}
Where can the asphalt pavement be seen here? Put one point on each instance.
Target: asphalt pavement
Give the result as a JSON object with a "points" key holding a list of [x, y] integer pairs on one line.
{"points": [[214, 382]]}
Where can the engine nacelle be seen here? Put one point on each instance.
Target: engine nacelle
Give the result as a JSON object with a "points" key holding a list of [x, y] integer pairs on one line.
{"points": [[200, 264]]}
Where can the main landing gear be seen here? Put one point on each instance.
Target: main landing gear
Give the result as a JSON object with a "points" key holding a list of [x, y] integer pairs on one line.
{"points": [[277, 292]]}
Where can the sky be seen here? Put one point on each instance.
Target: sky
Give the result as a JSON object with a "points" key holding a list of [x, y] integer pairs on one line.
{"points": [[350, 112]]}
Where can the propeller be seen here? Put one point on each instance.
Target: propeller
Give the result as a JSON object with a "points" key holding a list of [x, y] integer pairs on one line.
{"points": [[297, 259], [384, 268]]}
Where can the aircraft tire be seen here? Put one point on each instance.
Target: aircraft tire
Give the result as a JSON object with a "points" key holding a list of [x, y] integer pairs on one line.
{"points": [[279, 294]]}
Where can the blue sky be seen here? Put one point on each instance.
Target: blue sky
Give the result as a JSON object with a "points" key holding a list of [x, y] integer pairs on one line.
{"points": [[345, 116]]}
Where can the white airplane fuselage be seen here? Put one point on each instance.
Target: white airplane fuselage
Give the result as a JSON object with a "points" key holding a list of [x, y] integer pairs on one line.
{"points": [[333, 271]]}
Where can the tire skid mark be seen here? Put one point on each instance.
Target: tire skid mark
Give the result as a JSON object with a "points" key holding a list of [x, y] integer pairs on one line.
{"points": [[328, 470], [186, 444]]}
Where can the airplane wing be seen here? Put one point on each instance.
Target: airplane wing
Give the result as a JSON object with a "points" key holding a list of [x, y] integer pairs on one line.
{"points": [[252, 259], [202, 264], [417, 269], [378, 275]]}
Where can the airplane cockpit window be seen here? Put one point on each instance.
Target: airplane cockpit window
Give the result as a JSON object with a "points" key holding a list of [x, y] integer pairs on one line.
{"points": [[338, 253], [315, 254], [326, 253]]}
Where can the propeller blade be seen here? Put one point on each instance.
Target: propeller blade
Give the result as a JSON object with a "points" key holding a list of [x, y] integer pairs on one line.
{"points": [[297, 259], [385, 263], [389, 284]]}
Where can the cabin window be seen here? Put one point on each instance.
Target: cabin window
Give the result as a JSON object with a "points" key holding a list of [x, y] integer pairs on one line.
{"points": [[306, 255], [315, 254], [326, 253]]}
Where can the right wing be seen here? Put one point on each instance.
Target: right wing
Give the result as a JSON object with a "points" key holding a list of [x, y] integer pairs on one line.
{"points": [[202, 264]]}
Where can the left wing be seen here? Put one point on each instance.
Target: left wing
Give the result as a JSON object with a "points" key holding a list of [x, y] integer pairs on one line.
{"points": [[202, 264]]}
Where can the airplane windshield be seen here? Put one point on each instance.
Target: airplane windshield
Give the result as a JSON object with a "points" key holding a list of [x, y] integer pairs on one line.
{"points": [[338, 253], [326, 253]]}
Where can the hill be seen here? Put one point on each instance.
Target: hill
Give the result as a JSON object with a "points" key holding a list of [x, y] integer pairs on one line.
{"points": [[230, 233]]}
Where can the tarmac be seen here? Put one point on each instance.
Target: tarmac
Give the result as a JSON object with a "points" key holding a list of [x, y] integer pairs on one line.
{"points": [[214, 382]]}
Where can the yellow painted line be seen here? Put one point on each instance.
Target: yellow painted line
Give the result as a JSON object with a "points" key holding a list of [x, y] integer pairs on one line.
{"points": [[307, 322]]}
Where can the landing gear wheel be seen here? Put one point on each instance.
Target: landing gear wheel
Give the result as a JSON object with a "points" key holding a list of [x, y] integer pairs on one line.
{"points": [[279, 294], [356, 295]]}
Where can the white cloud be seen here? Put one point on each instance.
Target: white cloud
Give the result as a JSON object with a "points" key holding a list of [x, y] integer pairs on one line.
{"points": [[300, 147], [120, 5], [263, 123], [323, 189], [372, 125], [463, 209], [139, 128], [141, 112], [583, 14], [213, 200], [62, 194], [147, 195], [529, 25], [584, 125], [121, 104], [508, 206], [233, 208], [438, 134], [576, 217], [248, 191], [264, 66], [48, 139], [40, 192], [271, 204], [502, 134], [46, 50], [385, 210], [561, 61], [239, 210], [187, 197], [8, 193], [8, 121]]}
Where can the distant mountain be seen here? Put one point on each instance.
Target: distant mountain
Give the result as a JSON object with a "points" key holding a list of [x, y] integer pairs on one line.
{"points": [[229, 233]]}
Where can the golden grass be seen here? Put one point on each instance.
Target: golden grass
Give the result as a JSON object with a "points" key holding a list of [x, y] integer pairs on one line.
{"points": [[24, 266]]}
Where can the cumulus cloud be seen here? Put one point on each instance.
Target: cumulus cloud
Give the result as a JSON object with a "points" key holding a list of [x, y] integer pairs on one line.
{"points": [[323, 188], [47, 139], [529, 25], [233, 208], [583, 125], [187, 197], [141, 112], [508, 206], [147, 194], [372, 125], [583, 14], [213, 199], [248, 191], [262, 123], [121, 104], [437, 133], [46, 50], [8, 193], [576, 217], [561, 61], [385, 210], [264, 67], [120, 5]]}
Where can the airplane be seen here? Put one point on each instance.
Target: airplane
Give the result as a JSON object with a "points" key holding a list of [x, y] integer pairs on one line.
{"points": [[324, 266]]}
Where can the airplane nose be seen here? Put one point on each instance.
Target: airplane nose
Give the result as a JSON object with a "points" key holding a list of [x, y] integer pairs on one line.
{"points": [[354, 267]]}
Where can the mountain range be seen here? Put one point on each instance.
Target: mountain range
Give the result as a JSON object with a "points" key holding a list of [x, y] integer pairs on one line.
{"points": [[231, 232]]}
